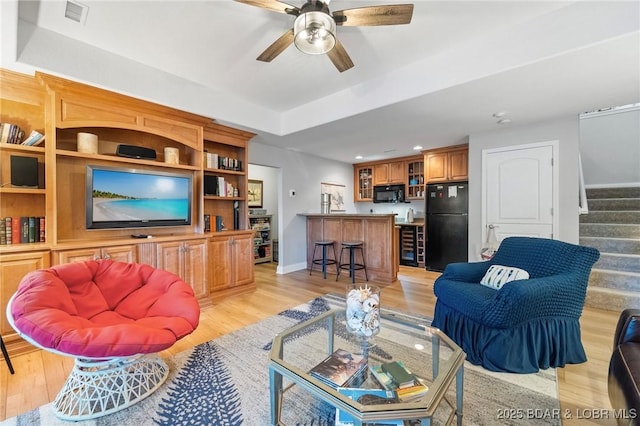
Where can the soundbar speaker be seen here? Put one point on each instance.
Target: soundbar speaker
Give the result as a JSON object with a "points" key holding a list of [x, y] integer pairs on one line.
{"points": [[132, 151], [24, 171]]}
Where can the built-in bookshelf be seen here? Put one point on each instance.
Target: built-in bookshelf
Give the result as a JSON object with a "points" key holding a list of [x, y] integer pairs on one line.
{"points": [[215, 264], [262, 238], [21, 107], [225, 175]]}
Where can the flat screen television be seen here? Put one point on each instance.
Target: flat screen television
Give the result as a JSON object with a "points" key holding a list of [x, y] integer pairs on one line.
{"points": [[130, 198]]}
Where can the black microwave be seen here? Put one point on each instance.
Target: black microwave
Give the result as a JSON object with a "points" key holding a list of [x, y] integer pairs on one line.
{"points": [[388, 194]]}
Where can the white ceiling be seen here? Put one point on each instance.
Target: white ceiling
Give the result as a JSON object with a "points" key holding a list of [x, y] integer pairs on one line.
{"points": [[431, 83]]}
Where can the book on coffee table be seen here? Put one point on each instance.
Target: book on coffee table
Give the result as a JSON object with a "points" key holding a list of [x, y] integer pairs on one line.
{"points": [[399, 373], [367, 397], [341, 368], [411, 390]]}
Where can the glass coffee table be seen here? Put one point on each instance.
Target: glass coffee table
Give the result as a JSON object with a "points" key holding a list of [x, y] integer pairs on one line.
{"points": [[427, 352]]}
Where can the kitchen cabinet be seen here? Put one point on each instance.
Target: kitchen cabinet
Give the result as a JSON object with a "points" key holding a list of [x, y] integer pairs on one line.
{"points": [[188, 260], [13, 267], [231, 263], [363, 182], [393, 172], [415, 179], [447, 164]]}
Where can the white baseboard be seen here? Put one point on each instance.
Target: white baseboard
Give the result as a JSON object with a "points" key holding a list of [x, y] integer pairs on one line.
{"points": [[285, 269]]}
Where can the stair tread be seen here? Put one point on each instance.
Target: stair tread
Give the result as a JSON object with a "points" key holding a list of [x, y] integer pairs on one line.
{"points": [[613, 271]]}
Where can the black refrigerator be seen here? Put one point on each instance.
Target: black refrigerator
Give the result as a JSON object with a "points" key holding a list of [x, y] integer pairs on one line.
{"points": [[447, 207]]}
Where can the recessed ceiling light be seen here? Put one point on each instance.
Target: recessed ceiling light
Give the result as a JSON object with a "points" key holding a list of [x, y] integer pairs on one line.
{"points": [[359, 157], [504, 121], [417, 147], [499, 114]]}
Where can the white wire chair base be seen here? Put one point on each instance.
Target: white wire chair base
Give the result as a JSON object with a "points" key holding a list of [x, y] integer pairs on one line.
{"points": [[96, 388]]}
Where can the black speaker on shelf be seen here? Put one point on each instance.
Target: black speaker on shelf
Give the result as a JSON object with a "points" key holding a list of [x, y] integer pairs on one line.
{"points": [[210, 185], [24, 171], [132, 151]]}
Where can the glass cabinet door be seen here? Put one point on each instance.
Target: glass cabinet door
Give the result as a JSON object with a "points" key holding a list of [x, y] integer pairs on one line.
{"points": [[415, 174], [364, 184]]}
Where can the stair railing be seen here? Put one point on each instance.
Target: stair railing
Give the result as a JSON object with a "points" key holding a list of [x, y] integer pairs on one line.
{"points": [[583, 207]]}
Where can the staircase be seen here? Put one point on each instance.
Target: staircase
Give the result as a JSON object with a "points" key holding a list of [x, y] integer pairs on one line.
{"points": [[613, 227]]}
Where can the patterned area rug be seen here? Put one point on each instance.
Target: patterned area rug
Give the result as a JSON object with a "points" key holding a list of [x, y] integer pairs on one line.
{"points": [[225, 382]]}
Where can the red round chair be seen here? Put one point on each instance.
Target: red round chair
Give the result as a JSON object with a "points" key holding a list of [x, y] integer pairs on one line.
{"points": [[113, 317]]}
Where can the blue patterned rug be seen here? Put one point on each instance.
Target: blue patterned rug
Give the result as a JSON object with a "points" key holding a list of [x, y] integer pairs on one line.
{"points": [[225, 382]]}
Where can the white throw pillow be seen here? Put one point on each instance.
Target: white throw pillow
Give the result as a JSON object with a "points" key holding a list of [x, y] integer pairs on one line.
{"points": [[498, 275]]}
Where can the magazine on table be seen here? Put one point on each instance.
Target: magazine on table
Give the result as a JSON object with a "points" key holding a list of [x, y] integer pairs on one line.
{"points": [[370, 397], [341, 368]]}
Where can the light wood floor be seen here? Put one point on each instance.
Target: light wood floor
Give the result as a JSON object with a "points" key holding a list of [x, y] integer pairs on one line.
{"points": [[583, 388]]}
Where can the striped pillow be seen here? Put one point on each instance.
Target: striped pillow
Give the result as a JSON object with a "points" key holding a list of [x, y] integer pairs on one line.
{"points": [[498, 275]]}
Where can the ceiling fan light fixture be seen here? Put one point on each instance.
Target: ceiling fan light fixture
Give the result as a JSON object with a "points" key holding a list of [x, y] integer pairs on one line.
{"points": [[314, 33]]}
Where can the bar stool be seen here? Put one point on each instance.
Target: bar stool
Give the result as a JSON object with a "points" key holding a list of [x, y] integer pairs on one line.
{"points": [[6, 355], [352, 266], [324, 261]]}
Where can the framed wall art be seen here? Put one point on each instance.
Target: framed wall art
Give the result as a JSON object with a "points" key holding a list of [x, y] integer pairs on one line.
{"points": [[254, 193], [337, 195]]}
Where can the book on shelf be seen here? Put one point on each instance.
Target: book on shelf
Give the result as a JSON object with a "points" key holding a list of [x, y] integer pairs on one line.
{"points": [[22, 229], [211, 160], [11, 133], [35, 138], [367, 397], [341, 369]]}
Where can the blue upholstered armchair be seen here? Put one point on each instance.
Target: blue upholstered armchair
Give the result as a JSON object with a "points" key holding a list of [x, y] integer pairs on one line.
{"points": [[526, 324]]}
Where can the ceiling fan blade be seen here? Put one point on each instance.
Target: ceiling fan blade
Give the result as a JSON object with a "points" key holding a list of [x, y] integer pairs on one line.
{"points": [[340, 57], [273, 5], [396, 14], [277, 47]]}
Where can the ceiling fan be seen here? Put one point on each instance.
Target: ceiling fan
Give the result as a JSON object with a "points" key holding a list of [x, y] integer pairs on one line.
{"points": [[314, 29]]}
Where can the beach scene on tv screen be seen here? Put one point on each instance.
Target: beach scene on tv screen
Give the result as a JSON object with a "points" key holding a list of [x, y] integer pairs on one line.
{"points": [[123, 196]]}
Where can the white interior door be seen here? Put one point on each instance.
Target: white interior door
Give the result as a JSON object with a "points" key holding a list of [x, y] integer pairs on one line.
{"points": [[519, 192]]}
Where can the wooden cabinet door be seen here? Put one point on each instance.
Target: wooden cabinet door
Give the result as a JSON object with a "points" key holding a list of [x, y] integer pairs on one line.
{"points": [[436, 167], [396, 172], [242, 252], [196, 267], [458, 165], [76, 255], [127, 253], [13, 267], [380, 174], [220, 262], [170, 257]]}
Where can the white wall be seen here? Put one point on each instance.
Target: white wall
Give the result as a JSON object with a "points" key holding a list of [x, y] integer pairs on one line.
{"points": [[610, 148], [566, 131], [304, 174], [270, 177]]}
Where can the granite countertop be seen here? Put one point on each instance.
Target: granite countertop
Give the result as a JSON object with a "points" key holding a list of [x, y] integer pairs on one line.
{"points": [[347, 214], [416, 222]]}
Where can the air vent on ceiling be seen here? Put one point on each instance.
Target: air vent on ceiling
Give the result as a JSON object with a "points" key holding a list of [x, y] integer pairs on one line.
{"points": [[76, 11]]}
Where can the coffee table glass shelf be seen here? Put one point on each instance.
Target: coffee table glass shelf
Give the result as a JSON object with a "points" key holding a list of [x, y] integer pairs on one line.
{"points": [[425, 351]]}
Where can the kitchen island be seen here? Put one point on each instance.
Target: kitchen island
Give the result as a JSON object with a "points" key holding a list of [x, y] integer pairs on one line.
{"points": [[377, 231]]}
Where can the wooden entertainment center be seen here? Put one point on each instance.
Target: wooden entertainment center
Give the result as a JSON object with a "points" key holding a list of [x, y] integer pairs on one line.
{"points": [[216, 264]]}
